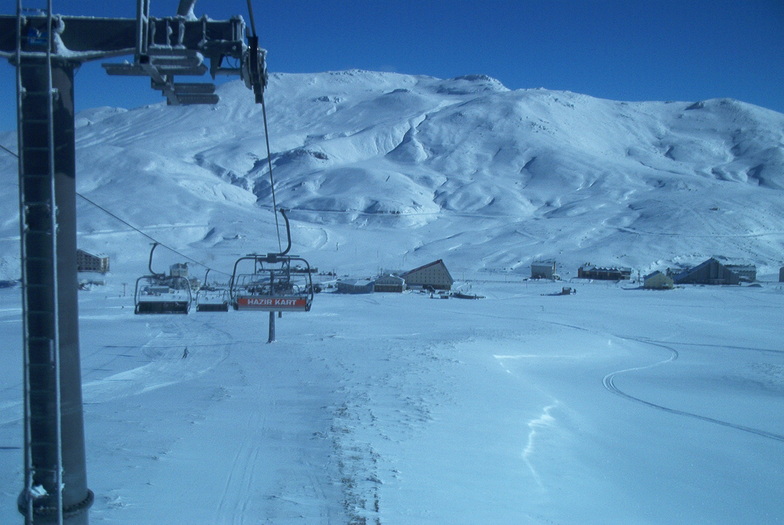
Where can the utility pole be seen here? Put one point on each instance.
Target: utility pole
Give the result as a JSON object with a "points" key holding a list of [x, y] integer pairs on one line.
{"points": [[46, 49]]}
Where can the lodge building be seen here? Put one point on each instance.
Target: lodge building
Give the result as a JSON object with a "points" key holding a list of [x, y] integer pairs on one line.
{"points": [[87, 262], [433, 275]]}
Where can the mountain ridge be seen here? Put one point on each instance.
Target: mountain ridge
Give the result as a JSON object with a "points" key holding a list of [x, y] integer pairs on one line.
{"points": [[462, 169]]}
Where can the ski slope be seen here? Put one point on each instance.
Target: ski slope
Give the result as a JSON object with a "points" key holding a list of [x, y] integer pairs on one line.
{"points": [[613, 405]]}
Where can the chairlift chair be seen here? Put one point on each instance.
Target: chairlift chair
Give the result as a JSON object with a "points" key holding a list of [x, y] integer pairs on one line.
{"points": [[212, 301], [212, 298], [272, 286], [278, 283], [159, 293]]}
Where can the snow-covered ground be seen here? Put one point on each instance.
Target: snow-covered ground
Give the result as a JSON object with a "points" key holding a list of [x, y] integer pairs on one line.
{"points": [[613, 405]]}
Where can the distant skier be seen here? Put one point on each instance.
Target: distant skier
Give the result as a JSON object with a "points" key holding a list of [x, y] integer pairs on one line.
{"points": [[185, 353]]}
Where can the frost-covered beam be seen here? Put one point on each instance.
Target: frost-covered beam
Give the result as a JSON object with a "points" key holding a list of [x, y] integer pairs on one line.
{"points": [[89, 37]]}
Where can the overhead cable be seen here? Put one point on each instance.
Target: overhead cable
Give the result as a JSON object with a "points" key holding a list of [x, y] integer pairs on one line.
{"points": [[134, 228], [255, 42], [131, 226]]}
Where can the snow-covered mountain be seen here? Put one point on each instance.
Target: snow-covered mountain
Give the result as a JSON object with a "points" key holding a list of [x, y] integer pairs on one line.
{"points": [[414, 168]]}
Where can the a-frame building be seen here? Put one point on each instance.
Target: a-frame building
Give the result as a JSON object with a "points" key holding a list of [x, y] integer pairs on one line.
{"points": [[434, 275]]}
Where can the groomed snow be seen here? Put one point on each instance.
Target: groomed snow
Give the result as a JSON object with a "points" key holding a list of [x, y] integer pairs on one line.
{"points": [[612, 405]]}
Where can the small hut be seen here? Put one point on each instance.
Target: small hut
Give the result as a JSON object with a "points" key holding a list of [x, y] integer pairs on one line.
{"points": [[657, 281], [179, 270], [355, 286]]}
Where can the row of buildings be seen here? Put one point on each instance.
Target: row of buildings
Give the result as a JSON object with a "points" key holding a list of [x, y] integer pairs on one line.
{"points": [[436, 276], [547, 270], [712, 271], [433, 276]]}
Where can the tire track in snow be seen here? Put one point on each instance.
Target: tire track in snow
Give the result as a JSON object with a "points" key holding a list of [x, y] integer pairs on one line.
{"points": [[609, 384]]}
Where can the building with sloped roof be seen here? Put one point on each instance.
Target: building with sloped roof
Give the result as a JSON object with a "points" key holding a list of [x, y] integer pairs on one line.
{"points": [[746, 272], [709, 272], [432, 275]]}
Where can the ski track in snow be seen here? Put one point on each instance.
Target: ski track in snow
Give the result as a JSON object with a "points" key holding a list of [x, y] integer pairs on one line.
{"points": [[166, 364], [609, 384], [241, 475], [682, 234]]}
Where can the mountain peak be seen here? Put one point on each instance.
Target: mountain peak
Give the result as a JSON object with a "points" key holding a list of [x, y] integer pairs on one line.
{"points": [[459, 168]]}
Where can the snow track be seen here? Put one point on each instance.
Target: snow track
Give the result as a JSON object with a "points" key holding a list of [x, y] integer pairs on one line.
{"points": [[241, 475], [609, 384], [173, 355]]}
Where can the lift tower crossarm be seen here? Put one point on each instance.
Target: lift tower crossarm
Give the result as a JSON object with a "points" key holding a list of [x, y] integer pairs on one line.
{"points": [[171, 46], [89, 38]]}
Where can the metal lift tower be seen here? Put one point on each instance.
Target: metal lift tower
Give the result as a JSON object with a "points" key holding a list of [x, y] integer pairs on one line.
{"points": [[46, 49]]}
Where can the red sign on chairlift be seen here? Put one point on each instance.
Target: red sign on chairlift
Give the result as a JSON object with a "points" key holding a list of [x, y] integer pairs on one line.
{"points": [[272, 304]]}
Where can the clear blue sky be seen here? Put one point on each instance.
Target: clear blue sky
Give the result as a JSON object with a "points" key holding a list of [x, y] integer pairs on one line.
{"points": [[683, 50]]}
